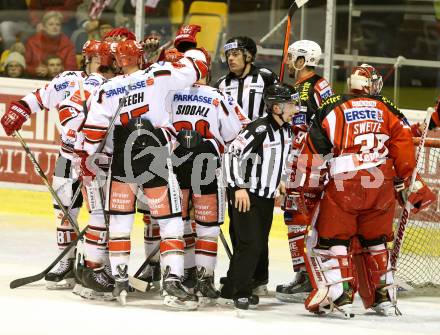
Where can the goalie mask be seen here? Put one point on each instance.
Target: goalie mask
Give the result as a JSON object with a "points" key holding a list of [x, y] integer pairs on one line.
{"points": [[309, 50], [365, 79]]}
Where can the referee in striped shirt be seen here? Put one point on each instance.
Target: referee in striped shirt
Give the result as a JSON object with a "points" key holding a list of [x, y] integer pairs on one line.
{"points": [[246, 82], [254, 165]]}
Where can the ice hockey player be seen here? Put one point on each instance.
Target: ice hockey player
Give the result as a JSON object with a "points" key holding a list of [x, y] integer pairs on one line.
{"points": [[253, 186], [303, 57], [246, 82], [141, 157], [205, 121], [64, 181], [92, 267], [417, 129], [367, 142]]}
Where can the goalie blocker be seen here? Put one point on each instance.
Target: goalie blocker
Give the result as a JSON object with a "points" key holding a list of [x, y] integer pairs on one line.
{"points": [[359, 198]]}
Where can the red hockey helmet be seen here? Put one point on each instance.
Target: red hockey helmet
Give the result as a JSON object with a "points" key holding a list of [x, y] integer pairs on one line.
{"points": [[106, 50], [91, 49], [186, 37], [365, 79], [199, 54], [119, 34], [128, 52]]}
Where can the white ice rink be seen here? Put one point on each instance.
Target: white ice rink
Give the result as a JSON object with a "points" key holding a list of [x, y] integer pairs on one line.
{"points": [[27, 246]]}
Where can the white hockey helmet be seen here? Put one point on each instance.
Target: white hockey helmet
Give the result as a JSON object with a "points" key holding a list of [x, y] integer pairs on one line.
{"points": [[311, 51], [365, 79]]}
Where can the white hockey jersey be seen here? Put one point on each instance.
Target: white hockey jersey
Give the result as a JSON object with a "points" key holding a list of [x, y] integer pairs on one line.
{"points": [[51, 94], [145, 92], [72, 117], [216, 116]]}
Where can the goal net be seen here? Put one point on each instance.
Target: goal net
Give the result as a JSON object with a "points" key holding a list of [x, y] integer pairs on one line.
{"points": [[419, 261]]}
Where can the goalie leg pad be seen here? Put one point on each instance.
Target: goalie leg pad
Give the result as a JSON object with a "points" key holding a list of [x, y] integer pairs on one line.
{"points": [[172, 245], [206, 247], [374, 275], [151, 236]]}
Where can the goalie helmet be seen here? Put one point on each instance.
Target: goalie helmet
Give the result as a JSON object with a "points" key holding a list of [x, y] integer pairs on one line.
{"points": [[244, 43], [310, 50], [365, 79], [279, 93], [128, 53]]}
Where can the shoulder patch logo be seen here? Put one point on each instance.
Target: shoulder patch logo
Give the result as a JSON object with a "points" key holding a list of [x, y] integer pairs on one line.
{"points": [[260, 129]]}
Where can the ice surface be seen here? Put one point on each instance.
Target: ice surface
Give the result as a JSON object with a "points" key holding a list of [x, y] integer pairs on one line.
{"points": [[28, 245]]}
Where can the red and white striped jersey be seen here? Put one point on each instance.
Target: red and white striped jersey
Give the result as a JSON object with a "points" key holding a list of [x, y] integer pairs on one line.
{"points": [[145, 93], [216, 116]]}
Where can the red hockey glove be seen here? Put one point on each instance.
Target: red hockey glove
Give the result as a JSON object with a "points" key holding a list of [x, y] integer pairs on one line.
{"points": [[416, 130], [186, 37], [420, 198], [82, 163], [15, 116], [172, 55]]}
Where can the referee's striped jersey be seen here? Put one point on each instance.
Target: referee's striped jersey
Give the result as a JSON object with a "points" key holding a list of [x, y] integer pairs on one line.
{"points": [[248, 91], [256, 159]]}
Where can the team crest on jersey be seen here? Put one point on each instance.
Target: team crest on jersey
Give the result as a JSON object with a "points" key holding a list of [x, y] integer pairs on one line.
{"points": [[260, 129], [215, 102], [61, 86], [299, 119], [354, 115]]}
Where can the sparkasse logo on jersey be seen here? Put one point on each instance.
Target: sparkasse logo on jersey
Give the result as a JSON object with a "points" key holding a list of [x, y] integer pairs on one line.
{"points": [[192, 98], [354, 115]]}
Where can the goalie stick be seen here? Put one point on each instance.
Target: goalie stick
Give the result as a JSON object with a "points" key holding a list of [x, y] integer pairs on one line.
{"points": [[400, 232], [292, 9], [27, 280]]}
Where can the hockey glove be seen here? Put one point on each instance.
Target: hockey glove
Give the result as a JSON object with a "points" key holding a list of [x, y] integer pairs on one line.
{"points": [[172, 55], [420, 198], [416, 130], [16, 115]]}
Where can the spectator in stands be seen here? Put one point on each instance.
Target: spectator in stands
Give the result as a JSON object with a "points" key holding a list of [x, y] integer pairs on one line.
{"points": [[15, 65], [14, 22], [38, 8], [50, 41], [16, 47], [54, 66]]}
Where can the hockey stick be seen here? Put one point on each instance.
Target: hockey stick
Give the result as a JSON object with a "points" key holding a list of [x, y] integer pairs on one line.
{"points": [[225, 244], [27, 280], [400, 232], [292, 9], [139, 284], [46, 181]]}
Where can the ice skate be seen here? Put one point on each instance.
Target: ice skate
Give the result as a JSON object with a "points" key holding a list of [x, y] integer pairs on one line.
{"points": [[79, 268], [190, 279], [176, 295], [296, 291], [63, 277], [151, 275], [122, 286], [344, 305], [205, 288], [260, 288], [246, 302], [383, 306], [98, 285]]}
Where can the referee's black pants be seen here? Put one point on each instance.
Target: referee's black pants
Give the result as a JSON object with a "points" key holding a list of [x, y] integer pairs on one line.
{"points": [[261, 274], [251, 232]]}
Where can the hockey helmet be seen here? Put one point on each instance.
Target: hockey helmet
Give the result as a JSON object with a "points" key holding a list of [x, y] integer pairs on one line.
{"points": [[91, 49], [244, 43], [365, 79], [128, 53], [310, 50], [105, 52], [199, 54], [279, 93], [186, 37], [119, 34]]}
